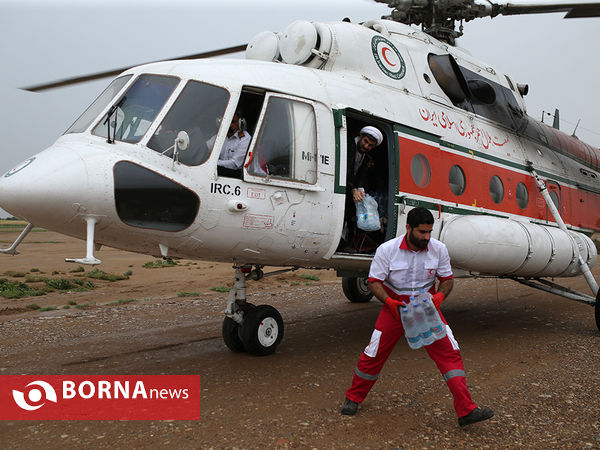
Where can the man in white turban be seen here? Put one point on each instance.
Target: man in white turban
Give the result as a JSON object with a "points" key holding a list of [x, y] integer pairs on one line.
{"points": [[369, 138], [357, 173]]}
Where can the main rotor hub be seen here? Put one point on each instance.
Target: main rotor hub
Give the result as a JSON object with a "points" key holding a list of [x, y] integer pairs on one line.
{"points": [[438, 17]]}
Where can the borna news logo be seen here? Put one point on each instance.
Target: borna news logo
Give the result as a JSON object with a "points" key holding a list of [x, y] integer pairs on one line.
{"points": [[35, 396], [100, 397]]}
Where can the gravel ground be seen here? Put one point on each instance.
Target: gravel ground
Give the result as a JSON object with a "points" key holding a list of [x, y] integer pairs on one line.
{"points": [[532, 357]]}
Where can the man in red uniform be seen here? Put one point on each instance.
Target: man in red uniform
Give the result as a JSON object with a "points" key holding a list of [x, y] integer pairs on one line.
{"points": [[401, 268]]}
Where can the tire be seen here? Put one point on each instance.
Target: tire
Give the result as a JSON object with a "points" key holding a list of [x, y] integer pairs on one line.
{"points": [[231, 335], [262, 330], [356, 290], [231, 331], [597, 310]]}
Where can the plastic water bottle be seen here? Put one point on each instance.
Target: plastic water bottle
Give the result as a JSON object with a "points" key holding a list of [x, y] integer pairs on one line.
{"points": [[371, 215], [367, 217], [432, 317], [361, 210], [423, 327], [411, 331]]}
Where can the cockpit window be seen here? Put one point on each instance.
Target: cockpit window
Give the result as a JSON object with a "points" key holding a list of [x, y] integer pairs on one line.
{"points": [[129, 119], [146, 199], [474, 93], [85, 120], [492, 100], [447, 74], [197, 111], [286, 146]]}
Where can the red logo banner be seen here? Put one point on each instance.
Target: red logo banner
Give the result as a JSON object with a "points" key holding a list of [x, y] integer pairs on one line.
{"points": [[99, 397]]}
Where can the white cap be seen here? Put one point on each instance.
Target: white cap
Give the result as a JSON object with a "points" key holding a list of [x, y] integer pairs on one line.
{"points": [[372, 132]]}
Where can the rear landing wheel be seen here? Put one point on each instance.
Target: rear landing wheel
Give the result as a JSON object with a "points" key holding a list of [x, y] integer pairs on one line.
{"points": [[357, 289], [262, 330]]}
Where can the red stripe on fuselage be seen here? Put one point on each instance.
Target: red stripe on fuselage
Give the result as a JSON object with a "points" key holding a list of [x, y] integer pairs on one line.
{"points": [[578, 208]]}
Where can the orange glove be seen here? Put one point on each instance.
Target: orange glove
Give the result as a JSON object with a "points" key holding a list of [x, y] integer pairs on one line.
{"points": [[437, 299], [394, 306]]}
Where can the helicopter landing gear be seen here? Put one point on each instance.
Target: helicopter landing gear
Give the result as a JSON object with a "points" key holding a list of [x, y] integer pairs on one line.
{"points": [[257, 330], [231, 330], [356, 289], [262, 330]]}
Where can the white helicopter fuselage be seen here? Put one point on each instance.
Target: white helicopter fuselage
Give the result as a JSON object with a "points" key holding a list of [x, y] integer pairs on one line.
{"points": [[377, 73]]}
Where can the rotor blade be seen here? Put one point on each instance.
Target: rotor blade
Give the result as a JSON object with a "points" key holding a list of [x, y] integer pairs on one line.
{"points": [[573, 10], [112, 73]]}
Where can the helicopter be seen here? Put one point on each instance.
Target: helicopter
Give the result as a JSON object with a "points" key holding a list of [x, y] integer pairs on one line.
{"points": [[138, 170]]}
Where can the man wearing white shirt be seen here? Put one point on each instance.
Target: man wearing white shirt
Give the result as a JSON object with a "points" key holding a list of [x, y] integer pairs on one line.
{"points": [[234, 148], [401, 268]]}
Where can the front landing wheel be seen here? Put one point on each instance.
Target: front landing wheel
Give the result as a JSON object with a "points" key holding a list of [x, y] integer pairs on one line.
{"points": [[262, 330], [231, 335], [231, 331], [356, 289]]}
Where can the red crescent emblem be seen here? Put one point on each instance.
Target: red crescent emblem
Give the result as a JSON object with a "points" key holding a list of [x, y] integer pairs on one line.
{"points": [[383, 50]]}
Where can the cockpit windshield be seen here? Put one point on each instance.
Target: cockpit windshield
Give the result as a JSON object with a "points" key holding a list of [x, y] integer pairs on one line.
{"points": [[197, 111], [90, 114], [129, 119]]}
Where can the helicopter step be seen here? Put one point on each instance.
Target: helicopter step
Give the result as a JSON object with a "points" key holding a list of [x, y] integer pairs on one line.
{"points": [[89, 259], [257, 330]]}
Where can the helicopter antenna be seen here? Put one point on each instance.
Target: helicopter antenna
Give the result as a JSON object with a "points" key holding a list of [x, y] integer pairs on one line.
{"points": [[576, 128], [555, 118], [556, 121]]}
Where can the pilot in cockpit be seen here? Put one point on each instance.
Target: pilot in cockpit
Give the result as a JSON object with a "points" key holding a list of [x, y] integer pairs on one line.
{"points": [[234, 148]]}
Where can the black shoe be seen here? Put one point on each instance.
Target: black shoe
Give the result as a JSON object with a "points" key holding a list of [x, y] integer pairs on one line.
{"points": [[349, 407], [477, 415]]}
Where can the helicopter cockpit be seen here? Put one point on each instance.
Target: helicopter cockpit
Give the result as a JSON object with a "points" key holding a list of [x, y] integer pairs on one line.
{"points": [[287, 134], [195, 111]]}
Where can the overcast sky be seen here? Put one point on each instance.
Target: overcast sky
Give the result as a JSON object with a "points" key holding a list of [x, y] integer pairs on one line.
{"points": [[43, 41]]}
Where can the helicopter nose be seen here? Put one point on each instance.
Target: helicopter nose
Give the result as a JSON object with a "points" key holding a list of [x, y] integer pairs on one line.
{"points": [[47, 189]]}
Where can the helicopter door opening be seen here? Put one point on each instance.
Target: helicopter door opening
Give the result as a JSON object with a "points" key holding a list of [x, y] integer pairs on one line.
{"points": [[240, 133], [374, 171]]}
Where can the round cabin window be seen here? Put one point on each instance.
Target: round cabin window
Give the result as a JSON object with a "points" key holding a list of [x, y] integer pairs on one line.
{"points": [[496, 189], [522, 196], [457, 180], [420, 170]]}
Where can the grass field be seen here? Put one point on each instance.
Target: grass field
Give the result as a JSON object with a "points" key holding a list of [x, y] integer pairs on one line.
{"points": [[15, 225]]}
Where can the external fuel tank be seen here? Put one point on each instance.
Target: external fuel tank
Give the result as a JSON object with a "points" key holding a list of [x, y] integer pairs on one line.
{"points": [[500, 246]]}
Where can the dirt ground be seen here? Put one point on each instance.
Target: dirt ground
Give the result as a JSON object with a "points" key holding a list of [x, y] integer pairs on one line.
{"points": [[531, 356]]}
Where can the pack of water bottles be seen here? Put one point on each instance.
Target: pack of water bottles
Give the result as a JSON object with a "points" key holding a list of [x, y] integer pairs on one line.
{"points": [[421, 321], [367, 217]]}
